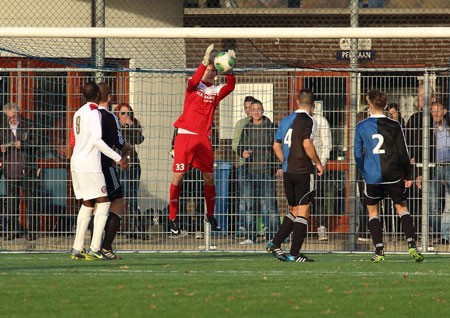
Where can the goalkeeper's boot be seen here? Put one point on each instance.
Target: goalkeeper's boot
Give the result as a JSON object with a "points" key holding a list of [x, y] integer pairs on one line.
{"points": [[300, 258], [378, 256], [276, 252], [214, 225], [415, 254], [175, 231], [174, 228], [97, 256]]}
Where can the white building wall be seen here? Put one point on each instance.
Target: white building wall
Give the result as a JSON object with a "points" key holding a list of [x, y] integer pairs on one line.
{"points": [[157, 98]]}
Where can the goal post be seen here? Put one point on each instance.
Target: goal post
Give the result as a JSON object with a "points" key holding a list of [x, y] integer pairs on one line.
{"points": [[229, 33]]}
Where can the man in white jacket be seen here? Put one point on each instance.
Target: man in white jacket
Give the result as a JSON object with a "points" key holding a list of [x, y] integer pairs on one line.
{"points": [[323, 144]]}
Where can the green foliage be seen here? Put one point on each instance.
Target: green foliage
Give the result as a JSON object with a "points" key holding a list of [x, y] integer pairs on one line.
{"points": [[222, 285]]}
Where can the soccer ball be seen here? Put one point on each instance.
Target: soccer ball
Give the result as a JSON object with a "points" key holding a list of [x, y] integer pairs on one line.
{"points": [[224, 62]]}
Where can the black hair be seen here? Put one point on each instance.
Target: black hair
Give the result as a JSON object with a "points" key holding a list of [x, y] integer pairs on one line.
{"points": [[91, 91]]}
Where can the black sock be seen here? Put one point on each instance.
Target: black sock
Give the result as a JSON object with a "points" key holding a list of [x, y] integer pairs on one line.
{"points": [[299, 233], [111, 228], [284, 231], [91, 225], [408, 228], [377, 235]]}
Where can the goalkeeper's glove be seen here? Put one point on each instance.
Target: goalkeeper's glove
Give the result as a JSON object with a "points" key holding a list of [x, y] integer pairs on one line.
{"points": [[232, 53], [207, 54]]}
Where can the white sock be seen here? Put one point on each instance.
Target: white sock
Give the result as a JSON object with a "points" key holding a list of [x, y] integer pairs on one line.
{"points": [[100, 218], [83, 219]]}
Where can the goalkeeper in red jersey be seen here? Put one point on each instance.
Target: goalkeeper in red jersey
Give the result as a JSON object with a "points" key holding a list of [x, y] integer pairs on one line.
{"points": [[192, 146]]}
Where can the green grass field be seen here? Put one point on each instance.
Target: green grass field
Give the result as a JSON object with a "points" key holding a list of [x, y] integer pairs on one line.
{"points": [[223, 285]]}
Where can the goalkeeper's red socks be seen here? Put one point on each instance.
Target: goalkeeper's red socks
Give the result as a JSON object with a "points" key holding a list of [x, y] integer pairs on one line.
{"points": [[210, 198], [174, 200]]}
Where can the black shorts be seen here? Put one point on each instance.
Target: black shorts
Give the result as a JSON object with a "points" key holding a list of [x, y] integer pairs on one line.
{"points": [[374, 193], [299, 188], [113, 186]]}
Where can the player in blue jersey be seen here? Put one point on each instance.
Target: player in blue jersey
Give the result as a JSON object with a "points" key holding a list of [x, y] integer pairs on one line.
{"points": [[382, 158], [294, 148]]}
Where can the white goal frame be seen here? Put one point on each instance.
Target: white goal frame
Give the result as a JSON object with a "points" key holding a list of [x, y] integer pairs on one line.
{"points": [[237, 33]]}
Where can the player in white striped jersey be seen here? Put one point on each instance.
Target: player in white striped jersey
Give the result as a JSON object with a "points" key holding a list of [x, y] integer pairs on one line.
{"points": [[87, 176]]}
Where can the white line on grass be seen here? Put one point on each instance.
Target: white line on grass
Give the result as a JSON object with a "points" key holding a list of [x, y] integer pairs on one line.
{"points": [[84, 271]]}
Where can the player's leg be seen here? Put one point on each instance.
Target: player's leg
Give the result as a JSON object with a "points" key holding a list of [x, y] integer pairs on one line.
{"points": [[299, 231], [376, 233], [398, 194], [374, 194], [100, 218], [203, 160], [304, 192], [274, 247], [83, 218], [182, 157], [112, 226], [408, 229], [209, 190], [94, 187], [175, 189]]}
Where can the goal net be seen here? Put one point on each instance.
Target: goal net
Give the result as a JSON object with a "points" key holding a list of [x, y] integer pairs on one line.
{"points": [[43, 70]]}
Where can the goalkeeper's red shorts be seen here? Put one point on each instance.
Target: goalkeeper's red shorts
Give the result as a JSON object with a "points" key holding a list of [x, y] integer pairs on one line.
{"points": [[193, 151]]}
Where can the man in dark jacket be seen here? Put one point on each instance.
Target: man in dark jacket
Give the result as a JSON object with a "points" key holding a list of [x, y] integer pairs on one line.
{"points": [[19, 152], [261, 166]]}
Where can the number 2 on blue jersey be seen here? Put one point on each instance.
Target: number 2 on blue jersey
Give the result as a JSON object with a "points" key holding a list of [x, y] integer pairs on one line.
{"points": [[377, 149]]}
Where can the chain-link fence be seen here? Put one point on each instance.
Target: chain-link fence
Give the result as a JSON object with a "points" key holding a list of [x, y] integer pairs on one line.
{"points": [[44, 77]]}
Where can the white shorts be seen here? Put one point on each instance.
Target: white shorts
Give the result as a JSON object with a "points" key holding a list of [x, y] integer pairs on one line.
{"points": [[89, 185]]}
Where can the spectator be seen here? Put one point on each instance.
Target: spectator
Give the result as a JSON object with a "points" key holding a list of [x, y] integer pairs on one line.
{"points": [[294, 148], [394, 112], [382, 158], [131, 130], [441, 132], [323, 143], [241, 173], [414, 140], [192, 146], [261, 166], [19, 148]]}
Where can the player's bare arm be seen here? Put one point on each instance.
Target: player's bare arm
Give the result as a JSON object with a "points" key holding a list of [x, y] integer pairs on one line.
{"points": [[278, 149], [312, 154]]}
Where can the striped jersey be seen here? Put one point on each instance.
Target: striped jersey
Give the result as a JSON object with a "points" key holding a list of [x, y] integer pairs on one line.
{"points": [[293, 129], [380, 150]]}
